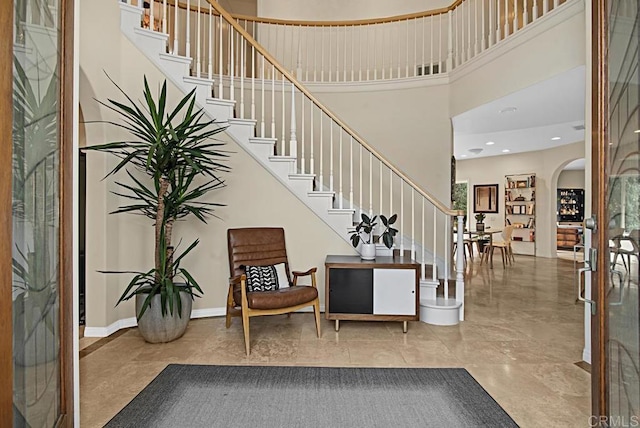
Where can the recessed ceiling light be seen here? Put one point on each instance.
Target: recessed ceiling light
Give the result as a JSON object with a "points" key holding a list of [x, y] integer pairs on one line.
{"points": [[490, 143], [509, 110], [463, 156], [555, 138], [475, 151], [637, 131], [506, 151]]}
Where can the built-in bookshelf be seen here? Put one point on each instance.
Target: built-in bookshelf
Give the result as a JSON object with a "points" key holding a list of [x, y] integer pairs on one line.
{"points": [[520, 211]]}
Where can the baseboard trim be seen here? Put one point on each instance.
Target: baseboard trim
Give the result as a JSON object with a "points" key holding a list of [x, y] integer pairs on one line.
{"points": [[132, 322], [111, 328]]}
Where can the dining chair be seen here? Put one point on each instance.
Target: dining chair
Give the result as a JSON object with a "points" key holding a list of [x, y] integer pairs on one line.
{"points": [[506, 251]]}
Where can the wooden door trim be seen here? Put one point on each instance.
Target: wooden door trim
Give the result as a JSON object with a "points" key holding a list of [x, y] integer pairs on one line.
{"points": [[65, 128], [599, 140], [6, 172]]}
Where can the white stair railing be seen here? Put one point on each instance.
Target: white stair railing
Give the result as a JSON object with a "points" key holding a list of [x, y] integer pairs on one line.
{"points": [[399, 47], [406, 46], [314, 139]]}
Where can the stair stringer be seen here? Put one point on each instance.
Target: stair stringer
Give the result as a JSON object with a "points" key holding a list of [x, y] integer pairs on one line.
{"points": [[177, 70]]}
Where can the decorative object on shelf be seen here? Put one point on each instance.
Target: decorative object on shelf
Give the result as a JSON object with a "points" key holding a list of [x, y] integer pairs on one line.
{"points": [[485, 198], [364, 232], [520, 203], [570, 205], [480, 222], [175, 151]]}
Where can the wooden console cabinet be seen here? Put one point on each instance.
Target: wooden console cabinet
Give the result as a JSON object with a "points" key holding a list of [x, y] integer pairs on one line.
{"points": [[384, 289], [567, 237]]}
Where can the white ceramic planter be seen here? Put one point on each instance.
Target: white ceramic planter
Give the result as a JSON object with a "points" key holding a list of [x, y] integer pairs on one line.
{"points": [[368, 252]]}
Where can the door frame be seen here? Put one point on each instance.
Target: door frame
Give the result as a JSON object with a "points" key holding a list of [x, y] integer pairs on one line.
{"points": [[65, 127], [6, 241], [599, 184]]}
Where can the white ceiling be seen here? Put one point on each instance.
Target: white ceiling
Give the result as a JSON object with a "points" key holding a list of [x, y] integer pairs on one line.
{"points": [[548, 109], [576, 165]]}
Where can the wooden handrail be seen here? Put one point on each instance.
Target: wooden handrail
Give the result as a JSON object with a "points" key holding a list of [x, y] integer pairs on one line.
{"points": [[442, 207], [345, 23]]}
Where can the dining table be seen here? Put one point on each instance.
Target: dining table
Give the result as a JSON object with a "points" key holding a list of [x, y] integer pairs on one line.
{"points": [[481, 234]]}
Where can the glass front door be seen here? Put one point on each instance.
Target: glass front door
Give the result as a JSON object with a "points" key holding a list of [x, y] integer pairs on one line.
{"points": [[616, 150], [36, 213], [623, 222]]}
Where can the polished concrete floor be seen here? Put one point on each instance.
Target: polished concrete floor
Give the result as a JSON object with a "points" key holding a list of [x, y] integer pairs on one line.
{"points": [[522, 336]]}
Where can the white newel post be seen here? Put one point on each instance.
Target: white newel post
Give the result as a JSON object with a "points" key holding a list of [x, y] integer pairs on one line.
{"points": [[460, 265]]}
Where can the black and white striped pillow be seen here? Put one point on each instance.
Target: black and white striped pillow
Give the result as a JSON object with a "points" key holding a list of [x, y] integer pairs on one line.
{"points": [[261, 278]]}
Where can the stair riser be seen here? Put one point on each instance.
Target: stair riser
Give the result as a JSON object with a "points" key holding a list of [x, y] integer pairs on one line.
{"points": [[241, 131], [301, 187], [321, 203], [174, 69], [448, 316], [220, 112]]}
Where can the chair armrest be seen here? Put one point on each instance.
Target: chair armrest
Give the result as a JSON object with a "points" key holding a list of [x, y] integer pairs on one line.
{"points": [[307, 273], [234, 280], [311, 272]]}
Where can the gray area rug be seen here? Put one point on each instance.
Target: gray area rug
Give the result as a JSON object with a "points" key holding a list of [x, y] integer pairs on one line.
{"points": [[241, 396]]}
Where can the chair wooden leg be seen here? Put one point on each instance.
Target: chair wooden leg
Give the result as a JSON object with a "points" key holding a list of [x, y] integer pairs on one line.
{"points": [[504, 258], [230, 305], [245, 327], [316, 311]]}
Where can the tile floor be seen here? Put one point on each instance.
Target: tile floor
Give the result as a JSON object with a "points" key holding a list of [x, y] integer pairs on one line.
{"points": [[521, 339]]}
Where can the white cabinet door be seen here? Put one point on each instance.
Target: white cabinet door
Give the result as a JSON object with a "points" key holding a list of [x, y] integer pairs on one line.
{"points": [[394, 292]]}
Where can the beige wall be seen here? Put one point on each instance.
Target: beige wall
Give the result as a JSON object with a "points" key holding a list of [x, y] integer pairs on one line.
{"points": [[410, 127], [125, 242], [333, 10], [571, 179], [546, 164]]}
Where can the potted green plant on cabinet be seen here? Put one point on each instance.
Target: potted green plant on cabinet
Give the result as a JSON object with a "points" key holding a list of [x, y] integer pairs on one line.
{"points": [[175, 150], [364, 233]]}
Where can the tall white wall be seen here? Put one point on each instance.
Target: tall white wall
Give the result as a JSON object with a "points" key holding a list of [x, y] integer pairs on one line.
{"points": [[546, 164], [336, 10], [125, 242]]}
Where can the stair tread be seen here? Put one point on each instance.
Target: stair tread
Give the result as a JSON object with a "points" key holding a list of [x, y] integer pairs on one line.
{"points": [[220, 101], [198, 80], [262, 140], [174, 57], [341, 210], [282, 158], [321, 193]]}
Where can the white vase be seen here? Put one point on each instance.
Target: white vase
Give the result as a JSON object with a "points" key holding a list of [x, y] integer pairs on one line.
{"points": [[368, 252]]}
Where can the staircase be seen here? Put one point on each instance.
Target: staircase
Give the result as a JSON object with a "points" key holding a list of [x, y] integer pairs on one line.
{"points": [[272, 116]]}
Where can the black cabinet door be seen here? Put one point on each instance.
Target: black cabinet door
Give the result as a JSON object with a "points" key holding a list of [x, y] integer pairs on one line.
{"points": [[351, 291]]}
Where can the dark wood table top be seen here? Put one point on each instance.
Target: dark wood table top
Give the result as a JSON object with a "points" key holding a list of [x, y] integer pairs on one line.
{"points": [[380, 262]]}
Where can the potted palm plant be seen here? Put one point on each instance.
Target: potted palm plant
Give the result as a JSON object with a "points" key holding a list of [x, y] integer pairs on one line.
{"points": [[364, 233], [175, 151]]}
